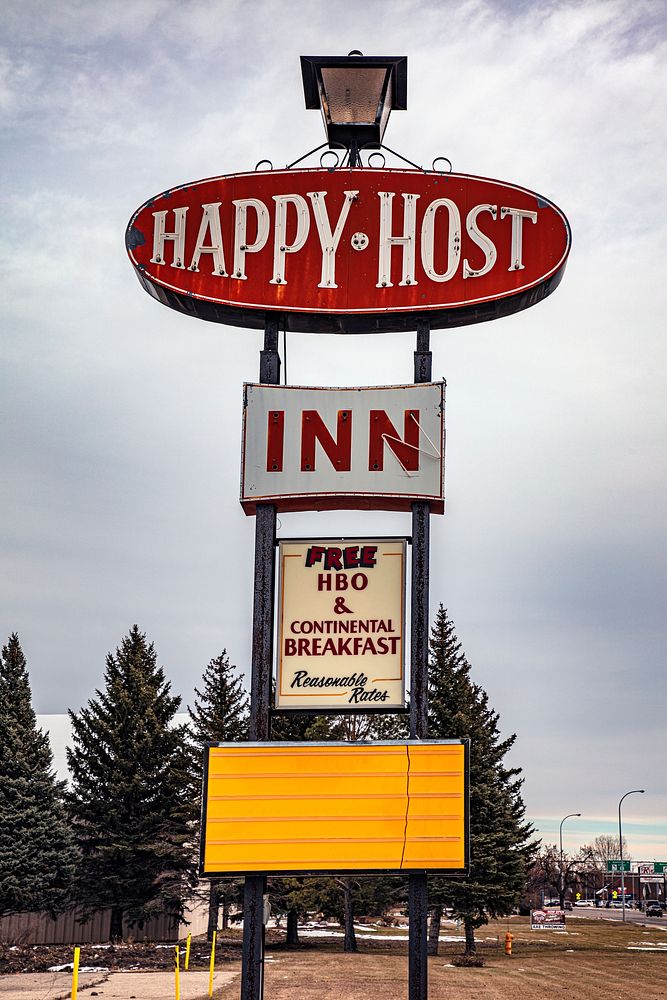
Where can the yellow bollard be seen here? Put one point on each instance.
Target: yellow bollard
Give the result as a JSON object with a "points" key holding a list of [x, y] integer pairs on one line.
{"points": [[508, 943], [212, 965], [187, 952], [177, 972], [75, 972]]}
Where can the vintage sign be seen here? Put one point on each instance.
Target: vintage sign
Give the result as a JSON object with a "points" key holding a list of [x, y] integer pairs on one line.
{"points": [[346, 251], [286, 808], [651, 868], [547, 920], [341, 624], [320, 449]]}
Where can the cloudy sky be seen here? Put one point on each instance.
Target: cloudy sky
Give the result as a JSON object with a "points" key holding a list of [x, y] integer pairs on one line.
{"points": [[121, 419]]}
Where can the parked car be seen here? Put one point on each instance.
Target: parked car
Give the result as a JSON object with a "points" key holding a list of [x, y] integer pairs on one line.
{"points": [[567, 905], [653, 909]]}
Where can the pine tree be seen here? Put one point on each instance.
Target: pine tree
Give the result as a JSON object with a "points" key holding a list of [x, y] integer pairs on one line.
{"points": [[37, 853], [220, 715], [129, 797], [500, 845]]}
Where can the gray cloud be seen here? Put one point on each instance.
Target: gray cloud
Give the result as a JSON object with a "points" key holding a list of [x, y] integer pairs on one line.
{"points": [[121, 419]]}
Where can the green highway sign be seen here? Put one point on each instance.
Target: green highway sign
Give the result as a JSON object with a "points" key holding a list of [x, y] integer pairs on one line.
{"points": [[642, 867]]}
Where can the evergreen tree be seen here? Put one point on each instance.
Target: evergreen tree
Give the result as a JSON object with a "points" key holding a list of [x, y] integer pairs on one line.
{"points": [[37, 854], [500, 845], [130, 798], [220, 715], [220, 712], [298, 727]]}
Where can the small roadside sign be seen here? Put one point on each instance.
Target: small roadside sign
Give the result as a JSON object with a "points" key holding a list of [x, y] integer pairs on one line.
{"points": [[547, 920]]}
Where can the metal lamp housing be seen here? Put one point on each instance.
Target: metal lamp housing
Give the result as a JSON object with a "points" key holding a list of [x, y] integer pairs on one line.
{"points": [[356, 95]]}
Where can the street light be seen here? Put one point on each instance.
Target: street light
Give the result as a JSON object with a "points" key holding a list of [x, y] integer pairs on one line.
{"points": [[356, 95], [634, 791], [562, 874]]}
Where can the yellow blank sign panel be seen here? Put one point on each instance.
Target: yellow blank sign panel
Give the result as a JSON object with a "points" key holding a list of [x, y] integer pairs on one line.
{"points": [[299, 807]]}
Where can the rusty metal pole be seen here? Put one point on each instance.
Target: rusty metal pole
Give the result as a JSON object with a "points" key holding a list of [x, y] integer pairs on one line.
{"points": [[417, 884], [252, 971]]}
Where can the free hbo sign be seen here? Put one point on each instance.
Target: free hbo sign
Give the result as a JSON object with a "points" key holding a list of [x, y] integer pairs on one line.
{"points": [[348, 251], [341, 622]]}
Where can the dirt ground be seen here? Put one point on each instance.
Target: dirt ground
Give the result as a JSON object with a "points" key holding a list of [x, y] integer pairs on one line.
{"points": [[114, 986], [144, 956], [592, 960]]}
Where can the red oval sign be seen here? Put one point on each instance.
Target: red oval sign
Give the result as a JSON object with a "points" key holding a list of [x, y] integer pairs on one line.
{"points": [[349, 250]]}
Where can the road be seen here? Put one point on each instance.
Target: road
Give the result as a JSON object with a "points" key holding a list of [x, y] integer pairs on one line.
{"points": [[635, 917]]}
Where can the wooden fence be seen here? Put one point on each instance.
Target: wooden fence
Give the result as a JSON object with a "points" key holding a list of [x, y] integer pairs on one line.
{"points": [[68, 928]]}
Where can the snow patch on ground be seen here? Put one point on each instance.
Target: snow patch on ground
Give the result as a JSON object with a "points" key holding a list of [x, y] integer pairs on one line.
{"points": [[325, 932], [69, 967]]}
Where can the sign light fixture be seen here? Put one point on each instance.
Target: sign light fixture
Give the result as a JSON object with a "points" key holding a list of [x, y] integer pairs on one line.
{"points": [[356, 95]]}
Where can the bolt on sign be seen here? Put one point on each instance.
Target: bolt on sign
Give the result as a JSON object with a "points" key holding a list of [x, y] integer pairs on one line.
{"points": [[345, 251], [380, 448], [341, 624], [319, 808]]}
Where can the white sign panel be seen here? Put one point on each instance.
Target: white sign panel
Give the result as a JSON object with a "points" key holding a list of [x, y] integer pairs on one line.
{"points": [[320, 449], [341, 628], [547, 920]]}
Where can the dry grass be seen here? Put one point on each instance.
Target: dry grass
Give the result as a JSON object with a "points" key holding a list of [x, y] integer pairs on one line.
{"points": [[591, 961]]}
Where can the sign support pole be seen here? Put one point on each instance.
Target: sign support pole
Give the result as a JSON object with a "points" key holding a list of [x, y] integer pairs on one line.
{"points": [[417, 884], [252, 972]]}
